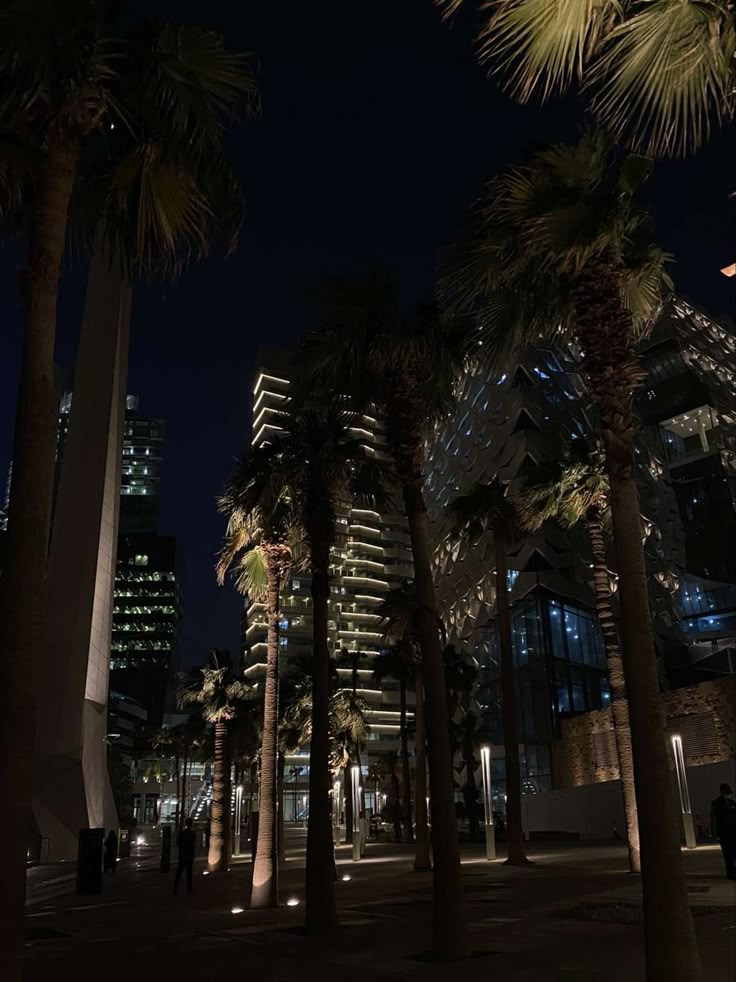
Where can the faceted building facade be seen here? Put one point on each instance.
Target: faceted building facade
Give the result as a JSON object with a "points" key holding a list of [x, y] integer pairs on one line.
{"points": [[688, 412], [505, 427]]}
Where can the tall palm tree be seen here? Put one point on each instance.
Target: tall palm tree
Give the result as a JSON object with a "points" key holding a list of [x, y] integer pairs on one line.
{"points": [[578, 491], [217, 691], [409, 377], [560, 248], [313, 462], [120, 141], [486, 508], [657, 74], [258, 543], [395, 664], [398, 612]]}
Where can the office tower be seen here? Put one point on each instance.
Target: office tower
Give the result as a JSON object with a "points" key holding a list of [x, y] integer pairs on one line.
{"points": [[145, 620], [140, 487], [371, 555]]}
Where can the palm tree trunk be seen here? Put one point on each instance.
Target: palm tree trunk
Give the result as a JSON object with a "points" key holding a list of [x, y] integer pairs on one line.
{"points": [[280, 799], [449, 925], [265, 889], [320, 904], [619, 704], [219, 812], [514, 831], [605, 332], [421, 854], [406, 774], [24, 579]]}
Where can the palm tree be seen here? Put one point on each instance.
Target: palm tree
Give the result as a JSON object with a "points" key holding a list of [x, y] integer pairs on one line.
{"points": [[486, 508], [578, 491], [395, 664], [657, 74], [313, 463], [217, 691], [259, 541], [409, 377], [560, 249], [120, 141], [398, 613]]}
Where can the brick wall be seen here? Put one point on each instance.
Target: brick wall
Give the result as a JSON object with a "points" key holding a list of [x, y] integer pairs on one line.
{"points": [[704, 715]]}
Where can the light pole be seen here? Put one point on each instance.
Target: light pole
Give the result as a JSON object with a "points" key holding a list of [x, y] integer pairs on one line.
{"points": [[238, 812], [687, 815], [485, 766], [355, 782]]}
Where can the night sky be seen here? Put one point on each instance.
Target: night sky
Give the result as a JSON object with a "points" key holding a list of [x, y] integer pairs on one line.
{"points": [[377, 130]]}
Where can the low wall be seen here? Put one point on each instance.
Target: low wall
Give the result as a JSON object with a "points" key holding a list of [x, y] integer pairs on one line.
{"points": [[704, 714], [591, 811]]}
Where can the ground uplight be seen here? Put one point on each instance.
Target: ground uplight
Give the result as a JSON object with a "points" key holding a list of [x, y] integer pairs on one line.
{"points": [[346, 878], [292, 902], [236, 910]]}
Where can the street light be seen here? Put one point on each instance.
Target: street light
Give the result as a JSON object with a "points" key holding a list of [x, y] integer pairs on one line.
{"points": [[355, 781], [485, 767], [687, 815]]}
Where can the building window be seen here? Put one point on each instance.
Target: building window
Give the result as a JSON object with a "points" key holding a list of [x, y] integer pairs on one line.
{"points": [[140, 559]]}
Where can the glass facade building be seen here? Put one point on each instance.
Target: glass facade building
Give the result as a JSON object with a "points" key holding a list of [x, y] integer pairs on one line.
{"points": [[145, 620]]}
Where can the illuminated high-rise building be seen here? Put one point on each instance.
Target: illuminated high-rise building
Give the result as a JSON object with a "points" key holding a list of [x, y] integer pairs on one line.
{"points": [[371, 555]]}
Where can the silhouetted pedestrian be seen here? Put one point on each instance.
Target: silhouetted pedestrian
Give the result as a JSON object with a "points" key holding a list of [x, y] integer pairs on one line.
{"points": [[723, 827], [185, 845], [111, 852]]}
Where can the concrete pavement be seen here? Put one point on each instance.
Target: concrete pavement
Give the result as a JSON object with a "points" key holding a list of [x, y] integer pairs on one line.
{"points": [[525, 923]]}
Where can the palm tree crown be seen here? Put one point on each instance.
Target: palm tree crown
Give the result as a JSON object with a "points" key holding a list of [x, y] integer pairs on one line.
{"points": [[567, 491], [658, 74], [215, 688], [539, 230], [144, 115]]}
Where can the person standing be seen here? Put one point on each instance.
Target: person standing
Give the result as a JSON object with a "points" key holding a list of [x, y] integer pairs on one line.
{"points": [[185, 845], [111, 852], [723, 827]]}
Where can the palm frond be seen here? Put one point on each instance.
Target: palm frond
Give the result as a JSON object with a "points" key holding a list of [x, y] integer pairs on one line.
{"points": [[666, 75], [541, 46]]}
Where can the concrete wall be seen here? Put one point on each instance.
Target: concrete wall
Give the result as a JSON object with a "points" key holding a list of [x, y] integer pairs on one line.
{"points": [[591, 811]]}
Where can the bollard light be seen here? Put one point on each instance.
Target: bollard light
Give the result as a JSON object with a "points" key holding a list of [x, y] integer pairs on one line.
{"points": [[485, 768], [685, 808]]}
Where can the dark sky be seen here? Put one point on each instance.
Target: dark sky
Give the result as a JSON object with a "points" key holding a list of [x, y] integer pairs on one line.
{"points": [[377, 130]]}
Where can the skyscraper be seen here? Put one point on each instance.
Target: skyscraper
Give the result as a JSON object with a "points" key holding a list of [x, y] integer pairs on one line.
{"points": [[145, 620], [371, 555]]}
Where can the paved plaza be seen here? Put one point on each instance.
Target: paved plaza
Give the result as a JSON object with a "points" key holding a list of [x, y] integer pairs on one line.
{"points": [[572, 915]]}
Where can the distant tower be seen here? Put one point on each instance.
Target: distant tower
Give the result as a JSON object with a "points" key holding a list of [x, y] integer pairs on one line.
{"points": [[72, 785]]}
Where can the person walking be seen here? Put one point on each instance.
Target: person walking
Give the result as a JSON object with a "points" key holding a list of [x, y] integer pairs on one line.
{"points": [[723, 827], [111, 852], [185, 845]]}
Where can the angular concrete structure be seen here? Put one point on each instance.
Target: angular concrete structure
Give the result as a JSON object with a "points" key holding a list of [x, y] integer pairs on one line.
{"points": [[72, 787]]}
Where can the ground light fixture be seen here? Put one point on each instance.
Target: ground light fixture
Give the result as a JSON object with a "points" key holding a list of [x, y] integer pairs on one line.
{"points": [[236, 910], [485, 766], [685, 808], [346, 878], [292, 902]]}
